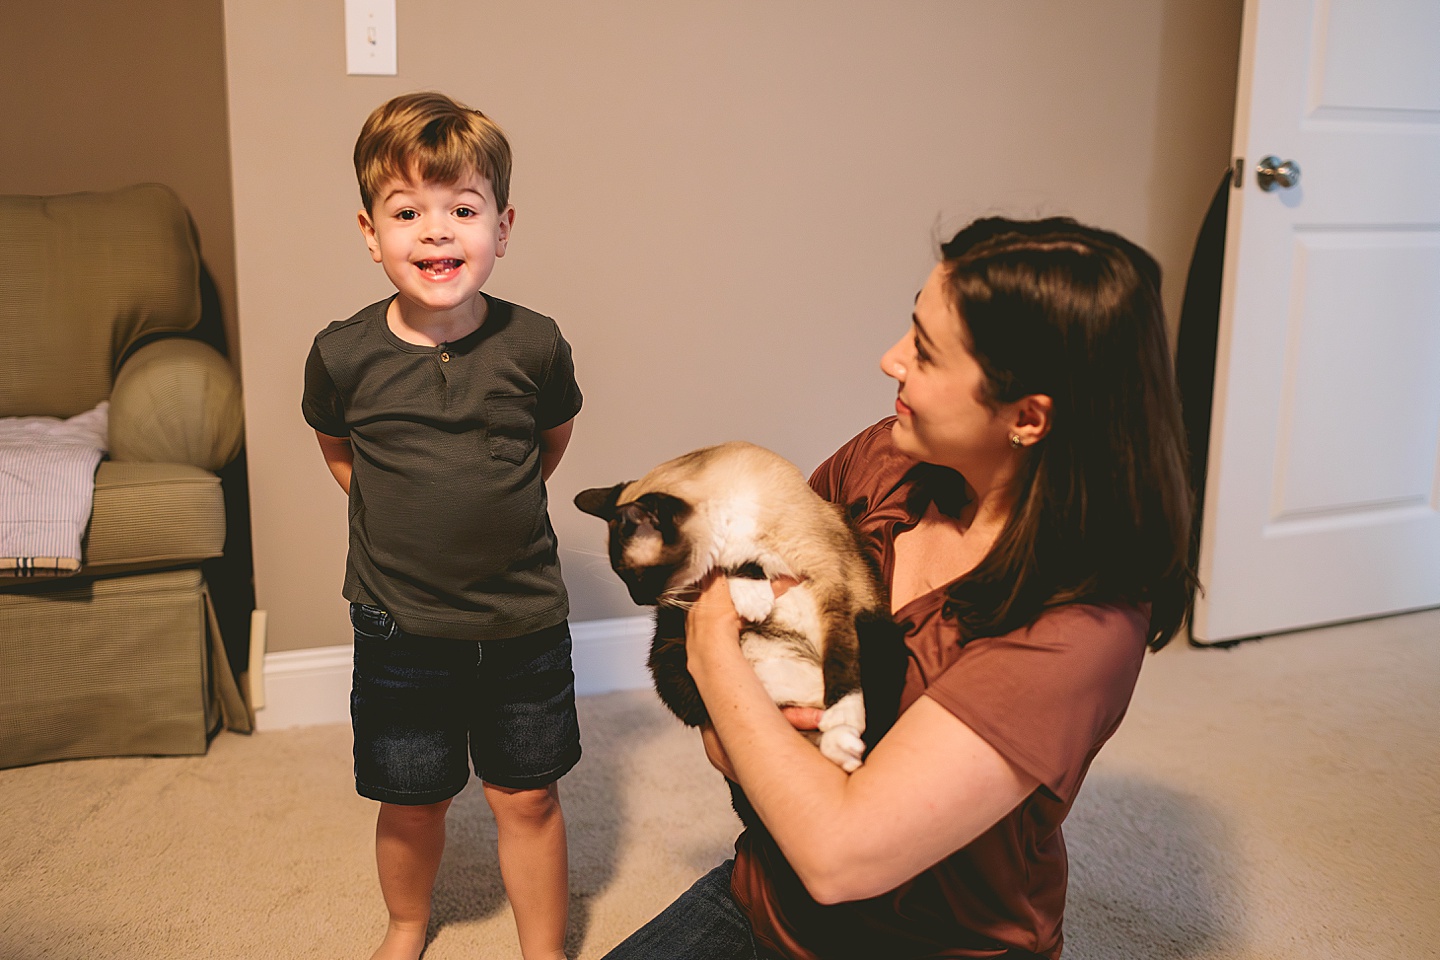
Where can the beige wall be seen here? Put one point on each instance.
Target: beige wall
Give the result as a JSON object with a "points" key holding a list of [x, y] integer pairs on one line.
{"points": [[727, 206], [96, 95]]}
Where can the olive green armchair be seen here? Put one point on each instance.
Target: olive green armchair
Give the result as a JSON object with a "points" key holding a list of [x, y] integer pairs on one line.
{"points": [[123, 656]]}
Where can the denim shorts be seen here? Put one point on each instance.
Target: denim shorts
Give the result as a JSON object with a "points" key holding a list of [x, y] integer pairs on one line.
{"points": [[424, 708]]}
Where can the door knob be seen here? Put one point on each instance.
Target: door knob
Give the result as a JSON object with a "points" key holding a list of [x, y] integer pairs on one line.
{"points": [[1273, 172]]}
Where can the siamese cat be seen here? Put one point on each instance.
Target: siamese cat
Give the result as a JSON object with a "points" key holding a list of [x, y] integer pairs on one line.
{"points": [[749, 513]]}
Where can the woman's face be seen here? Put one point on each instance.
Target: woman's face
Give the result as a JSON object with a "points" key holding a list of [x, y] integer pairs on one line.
{"points": [[941, 416]]}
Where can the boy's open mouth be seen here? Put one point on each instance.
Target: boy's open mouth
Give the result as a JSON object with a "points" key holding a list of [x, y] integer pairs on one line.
{"points": [[438, 268]]}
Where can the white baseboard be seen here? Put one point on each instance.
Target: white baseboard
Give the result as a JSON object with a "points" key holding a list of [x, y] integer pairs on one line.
{"points": [[307, 687], [610, 654]]}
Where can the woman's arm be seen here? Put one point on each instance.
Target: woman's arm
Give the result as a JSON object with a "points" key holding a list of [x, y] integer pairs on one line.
{"points": [[929, 788]]}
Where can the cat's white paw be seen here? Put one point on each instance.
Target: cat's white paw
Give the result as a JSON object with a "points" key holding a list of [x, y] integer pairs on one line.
{"points": [[753, 599], [848, 711], [843, 747]]}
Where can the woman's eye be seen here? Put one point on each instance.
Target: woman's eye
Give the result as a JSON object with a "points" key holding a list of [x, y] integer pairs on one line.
{"points": [[921, 356]]}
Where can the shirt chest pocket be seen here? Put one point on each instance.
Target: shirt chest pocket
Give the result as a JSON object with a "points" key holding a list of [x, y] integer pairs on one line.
{"points": [[510, 426]]}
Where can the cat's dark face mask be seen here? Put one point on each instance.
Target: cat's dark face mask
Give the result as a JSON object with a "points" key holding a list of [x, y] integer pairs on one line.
{"points": [[646, 549]]}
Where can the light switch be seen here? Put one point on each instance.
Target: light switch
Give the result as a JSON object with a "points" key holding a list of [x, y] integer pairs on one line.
{"points": [[370, 37]]}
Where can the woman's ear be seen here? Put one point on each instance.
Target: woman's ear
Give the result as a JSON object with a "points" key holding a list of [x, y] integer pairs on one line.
{"points": [[1032, 421]]}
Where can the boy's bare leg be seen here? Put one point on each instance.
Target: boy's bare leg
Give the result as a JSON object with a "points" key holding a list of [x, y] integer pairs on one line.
{"points": [[534, 866], [408, 844]]}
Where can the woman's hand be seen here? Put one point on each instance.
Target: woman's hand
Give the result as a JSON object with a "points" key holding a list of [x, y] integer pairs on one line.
{"points": [[713, 621], [801, 718], [713, 618]]}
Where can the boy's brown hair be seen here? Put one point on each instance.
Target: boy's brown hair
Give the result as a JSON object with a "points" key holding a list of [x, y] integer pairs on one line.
{"points": [[431, 136]]}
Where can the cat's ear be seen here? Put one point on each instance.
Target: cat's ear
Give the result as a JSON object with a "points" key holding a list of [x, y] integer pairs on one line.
{"points": [[662, 511], [600, 501], [637, 513]]}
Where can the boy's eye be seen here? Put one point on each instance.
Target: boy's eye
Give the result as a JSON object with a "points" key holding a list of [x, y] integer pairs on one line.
{"points": [[406, 215], [465, 212]]}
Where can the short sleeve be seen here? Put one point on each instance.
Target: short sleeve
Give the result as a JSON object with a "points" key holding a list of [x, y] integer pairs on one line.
{"points": [[1049, 695], [560, 397], [838, 481], [321, 404], [828, 477]]}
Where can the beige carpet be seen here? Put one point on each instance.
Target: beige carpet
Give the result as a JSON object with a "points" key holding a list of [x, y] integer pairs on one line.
{"points": [[1280, 799]]}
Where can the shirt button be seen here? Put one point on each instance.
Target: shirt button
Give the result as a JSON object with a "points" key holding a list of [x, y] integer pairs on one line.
{"points": [[444, 358]]}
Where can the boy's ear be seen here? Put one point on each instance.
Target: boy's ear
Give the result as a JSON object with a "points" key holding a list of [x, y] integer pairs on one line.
{"points": [[507, 224], [600, 501], [367, 230]]}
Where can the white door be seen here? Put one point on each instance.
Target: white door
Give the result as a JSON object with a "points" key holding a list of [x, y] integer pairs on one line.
{"points": [[1323, 493]]}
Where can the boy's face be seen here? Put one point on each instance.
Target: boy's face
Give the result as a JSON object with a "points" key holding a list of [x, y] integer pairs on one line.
{"points": [[437, 242]]}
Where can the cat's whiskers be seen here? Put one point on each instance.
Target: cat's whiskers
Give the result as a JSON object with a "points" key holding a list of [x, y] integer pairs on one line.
{"points": [[681, 598], [684, 595]]}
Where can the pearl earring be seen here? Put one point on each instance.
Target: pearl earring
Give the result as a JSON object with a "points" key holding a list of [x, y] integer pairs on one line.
{"points": [[1015, 441]]}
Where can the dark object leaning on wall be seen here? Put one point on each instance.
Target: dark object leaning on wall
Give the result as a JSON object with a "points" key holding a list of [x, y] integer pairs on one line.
{"points": [[1196, 345]]}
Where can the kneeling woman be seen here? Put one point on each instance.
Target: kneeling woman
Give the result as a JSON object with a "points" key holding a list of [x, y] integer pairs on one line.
{"points": [[1029, 510]]}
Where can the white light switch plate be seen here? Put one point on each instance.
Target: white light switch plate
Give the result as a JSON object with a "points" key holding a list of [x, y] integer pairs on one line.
{"points": [[370, 37]]}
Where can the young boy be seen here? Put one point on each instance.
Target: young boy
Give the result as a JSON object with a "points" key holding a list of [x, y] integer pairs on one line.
{"points": [[442, 411]]}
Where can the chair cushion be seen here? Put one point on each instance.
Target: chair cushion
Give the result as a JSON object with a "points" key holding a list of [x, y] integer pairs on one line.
{"points": [[153, 515], [176, 401], [82, 278]]}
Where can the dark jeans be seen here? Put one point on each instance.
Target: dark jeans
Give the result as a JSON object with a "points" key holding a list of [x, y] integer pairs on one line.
{"points": [[703, 924]]}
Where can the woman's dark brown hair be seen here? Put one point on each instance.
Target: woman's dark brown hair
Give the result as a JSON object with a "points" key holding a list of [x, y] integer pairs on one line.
{"points": [[1102, 502]]}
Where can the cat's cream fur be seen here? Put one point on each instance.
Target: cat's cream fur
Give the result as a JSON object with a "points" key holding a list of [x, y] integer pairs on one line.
{"points": [[743, 510]]}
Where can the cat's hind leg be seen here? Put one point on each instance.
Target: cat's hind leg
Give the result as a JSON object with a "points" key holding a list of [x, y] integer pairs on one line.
{"points": [[843, 722], [841, 725], [791, 680]]}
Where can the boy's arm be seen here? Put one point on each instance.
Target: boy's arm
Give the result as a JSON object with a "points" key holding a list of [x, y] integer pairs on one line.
{"points": [[552, 447], [340, 457]]}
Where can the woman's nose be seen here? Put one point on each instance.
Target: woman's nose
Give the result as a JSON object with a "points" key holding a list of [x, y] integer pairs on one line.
{"points": [[892, 363]]}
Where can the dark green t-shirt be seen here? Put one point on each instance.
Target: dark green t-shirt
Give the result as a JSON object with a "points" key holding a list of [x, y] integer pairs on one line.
{"points": [[448, 524]]}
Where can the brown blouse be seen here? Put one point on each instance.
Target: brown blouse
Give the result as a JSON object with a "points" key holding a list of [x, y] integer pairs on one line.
{"points": [[1046, 696]]}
